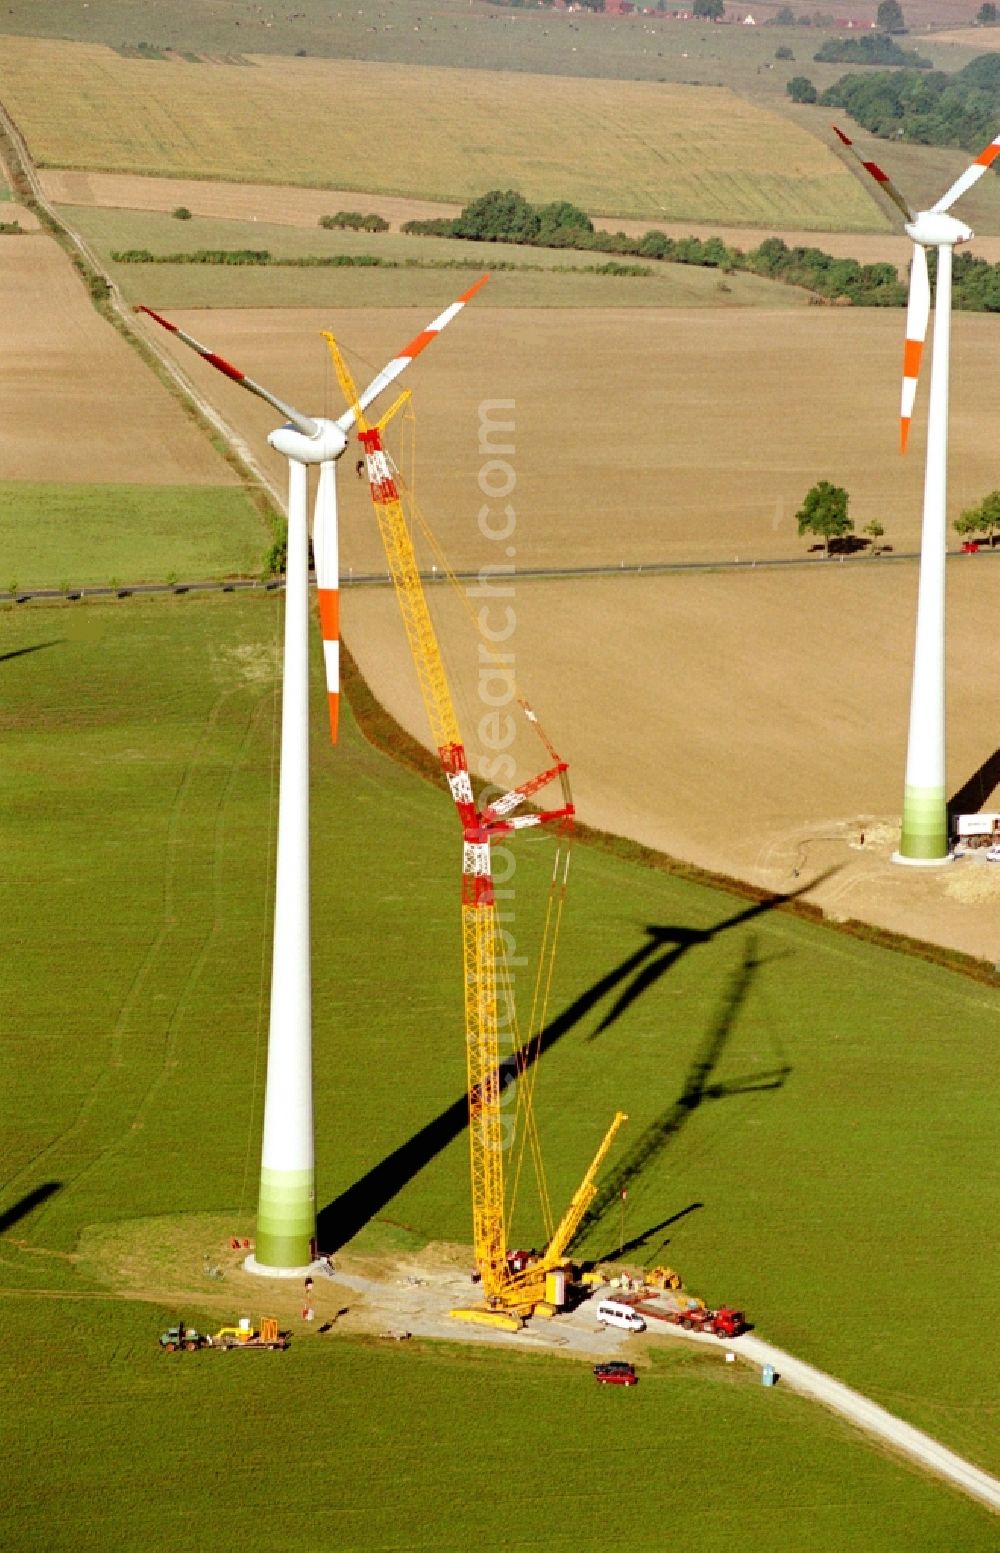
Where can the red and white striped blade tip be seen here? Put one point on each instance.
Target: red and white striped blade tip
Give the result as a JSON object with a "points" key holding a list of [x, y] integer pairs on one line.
{"points": [[875, 171], [972, 175], [216, 360], [304, 423], [399, 363]]}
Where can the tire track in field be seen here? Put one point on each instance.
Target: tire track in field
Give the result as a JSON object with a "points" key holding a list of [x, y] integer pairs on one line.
{"points": [[182, 844]]}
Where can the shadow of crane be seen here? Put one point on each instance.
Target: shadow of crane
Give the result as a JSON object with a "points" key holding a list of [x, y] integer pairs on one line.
{"points": [[640, 1242], [341, 1219]]}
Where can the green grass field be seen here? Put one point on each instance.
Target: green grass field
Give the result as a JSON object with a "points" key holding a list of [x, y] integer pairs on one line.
{"points": [[431, 1449], [88, 535], [822, 1102], [669, 152], [542, 277]]}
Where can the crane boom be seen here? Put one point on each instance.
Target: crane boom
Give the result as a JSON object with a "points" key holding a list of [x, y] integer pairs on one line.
{"points": [[582, 1197], [480, 929]]}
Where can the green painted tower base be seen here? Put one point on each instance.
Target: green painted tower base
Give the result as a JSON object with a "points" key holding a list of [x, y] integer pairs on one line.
{"points": [[286, 1223], [924, 838]]}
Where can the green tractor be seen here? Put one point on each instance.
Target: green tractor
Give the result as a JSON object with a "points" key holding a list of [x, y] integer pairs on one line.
{"points": [[181, 1336]]}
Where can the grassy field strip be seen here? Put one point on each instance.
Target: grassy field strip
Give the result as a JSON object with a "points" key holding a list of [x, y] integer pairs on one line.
{"points": [[536, 277], [131, 1421], [51, 534], [873, 1420], [192, 286], [661, 151]]}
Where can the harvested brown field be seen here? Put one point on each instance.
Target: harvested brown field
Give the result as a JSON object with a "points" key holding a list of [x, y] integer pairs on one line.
{"points": [[26, 219], [749, 720], [985, 40], [280, 206], [753, 722], [76, 403], [664, 151], [640, 436]]}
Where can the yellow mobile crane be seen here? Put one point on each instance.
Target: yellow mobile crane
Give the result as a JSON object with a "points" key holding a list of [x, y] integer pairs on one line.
{"points": [[509, 1294]]}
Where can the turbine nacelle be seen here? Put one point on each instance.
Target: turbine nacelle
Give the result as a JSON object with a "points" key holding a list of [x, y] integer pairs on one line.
{"points": [[306, 440], [325, 445], [935, 229]]}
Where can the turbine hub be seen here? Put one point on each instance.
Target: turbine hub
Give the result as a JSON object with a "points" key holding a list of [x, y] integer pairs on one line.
{"points": [[935, 229], [327, 444]]}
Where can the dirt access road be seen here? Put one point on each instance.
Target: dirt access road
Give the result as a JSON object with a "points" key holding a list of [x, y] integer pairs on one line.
{"points": [[414, 1295]]}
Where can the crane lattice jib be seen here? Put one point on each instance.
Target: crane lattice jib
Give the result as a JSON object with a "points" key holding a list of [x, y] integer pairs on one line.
{"points": [[479, 924], [405, 574], [479, 916], [582, 1197], [479, 928]]}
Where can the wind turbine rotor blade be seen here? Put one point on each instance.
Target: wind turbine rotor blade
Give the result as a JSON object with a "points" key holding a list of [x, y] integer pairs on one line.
{"points": [[874, 170], [390, 372], [918, 310], [308, 427], [972, 175], [325, 547]]}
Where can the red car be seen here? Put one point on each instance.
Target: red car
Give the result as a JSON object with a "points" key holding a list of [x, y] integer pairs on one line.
{"points": [[616, 1373]]}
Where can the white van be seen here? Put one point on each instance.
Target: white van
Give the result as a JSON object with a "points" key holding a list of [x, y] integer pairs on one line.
{"points": [[612, 1313]]}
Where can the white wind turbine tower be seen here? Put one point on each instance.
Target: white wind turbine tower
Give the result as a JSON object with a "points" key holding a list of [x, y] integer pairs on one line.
{"points": [[924, 838], [286, 1218]]}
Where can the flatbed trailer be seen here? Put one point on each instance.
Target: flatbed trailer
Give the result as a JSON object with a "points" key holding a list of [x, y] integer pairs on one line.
{"points": [[724, 1322]]}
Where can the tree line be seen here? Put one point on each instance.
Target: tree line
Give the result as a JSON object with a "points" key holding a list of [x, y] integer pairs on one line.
{"points": [[505, 216], [929, 108], [872, 48], [262, 258]]}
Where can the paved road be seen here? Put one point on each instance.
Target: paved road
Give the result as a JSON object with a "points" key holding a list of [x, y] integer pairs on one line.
{"points": [[382, 580]]}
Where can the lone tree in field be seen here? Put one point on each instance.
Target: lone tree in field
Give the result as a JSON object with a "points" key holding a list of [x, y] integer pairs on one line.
{"points": [[875, 531], [824, 512], [984, 519], [889, 17], [801, 89], [987, 15]]}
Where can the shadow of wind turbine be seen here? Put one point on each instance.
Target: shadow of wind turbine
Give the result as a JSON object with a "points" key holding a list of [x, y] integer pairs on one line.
{"points": [[698, 1086]]}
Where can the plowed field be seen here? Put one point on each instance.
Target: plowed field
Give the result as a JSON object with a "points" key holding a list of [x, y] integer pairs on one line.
{"points": [[76, 403], [753, 722], [640, 437]]}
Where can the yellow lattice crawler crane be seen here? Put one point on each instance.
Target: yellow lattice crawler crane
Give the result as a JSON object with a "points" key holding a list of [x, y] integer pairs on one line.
{"points": [[510, 1292]]}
